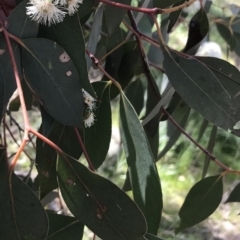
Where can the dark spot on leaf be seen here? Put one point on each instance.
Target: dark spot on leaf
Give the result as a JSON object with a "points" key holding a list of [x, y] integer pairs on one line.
{"points": [[70, 182], [64, 57]]}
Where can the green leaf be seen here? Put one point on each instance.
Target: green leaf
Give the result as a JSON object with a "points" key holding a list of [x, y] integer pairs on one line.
{"points": [[174, 16], [200, 88], [7, 78], [227, 33], [54, 80], [135, 94], [198, 30], [227, 74], [211, 143], [142, 169], [234, 195], [130, 65], [94, 34], [98, 136], [64, 137], [202, 129], [114, 15], [64, 227], [22, 215], [201, 201], [20, 25], [181, 115], [98, 203], [85, 8], [71, 39]]}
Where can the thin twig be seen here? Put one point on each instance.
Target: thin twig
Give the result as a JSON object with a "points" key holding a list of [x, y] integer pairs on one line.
{"points": [[4, 8], [154, 11], [143, 57], [143, 36], [15, 140], [156, 66], [210, 155], [91, 167], [96, 62]]}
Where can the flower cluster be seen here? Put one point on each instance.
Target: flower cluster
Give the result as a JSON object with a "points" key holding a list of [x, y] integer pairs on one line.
{"points": [[90, 103], [49, 12]]}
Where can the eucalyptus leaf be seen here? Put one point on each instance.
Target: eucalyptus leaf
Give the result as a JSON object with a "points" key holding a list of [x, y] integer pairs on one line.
{"points": [[48, 69], [174, 16], [200, 88], [198, 30], [71, 39], [135, 94], [98, 203], [98, 136], [211, 143], [201, 201], [114, 15], [94, 35], [20, 25], [64, 227], [22, 215], [142, 169], [64, 137], [234, 195]]}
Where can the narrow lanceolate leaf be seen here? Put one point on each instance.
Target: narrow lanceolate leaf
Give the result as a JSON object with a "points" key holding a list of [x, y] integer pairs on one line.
{"points": [[201, 201], [54, 80], [98, 136], [174, 16], [86, 8], [98, 203], [199, 87], [64, 227], [173, 132], [198, 30], [94, 34], [234, 195], [211, 143], [22, 215], [202, 129], [71, 39], [114, 15], [20, 25], [64, 137], [143, 173]]}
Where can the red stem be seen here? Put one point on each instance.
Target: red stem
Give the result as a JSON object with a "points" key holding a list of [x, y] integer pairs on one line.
{"points": [[90, 165]]}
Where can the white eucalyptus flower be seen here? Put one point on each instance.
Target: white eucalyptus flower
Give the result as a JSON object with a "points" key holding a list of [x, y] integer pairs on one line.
{"points": [[89, 100], [73, 6], [45, 12], [89, 120]]}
